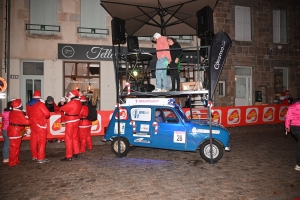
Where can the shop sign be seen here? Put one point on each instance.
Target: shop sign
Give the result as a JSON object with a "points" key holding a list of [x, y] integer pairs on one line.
{"points": [[90, 52]]}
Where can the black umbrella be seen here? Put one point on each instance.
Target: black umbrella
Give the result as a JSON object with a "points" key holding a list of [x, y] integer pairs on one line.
{"points": [[168, 17]]}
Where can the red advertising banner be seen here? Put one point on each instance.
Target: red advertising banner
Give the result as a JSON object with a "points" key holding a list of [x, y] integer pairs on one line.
{"points": [[243, 115], [227, 116]]}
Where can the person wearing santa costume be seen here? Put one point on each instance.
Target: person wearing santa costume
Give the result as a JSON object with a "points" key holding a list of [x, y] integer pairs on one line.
{"points": [[85, 125], [286, 97], [17, 121], [38, 115], [72, 110]]}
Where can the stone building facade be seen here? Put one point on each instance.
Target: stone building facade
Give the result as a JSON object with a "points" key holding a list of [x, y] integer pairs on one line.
{"points": [[261, 54]]}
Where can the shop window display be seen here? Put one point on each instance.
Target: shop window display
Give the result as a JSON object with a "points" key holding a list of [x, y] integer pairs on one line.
{"points": [[85, 77]]}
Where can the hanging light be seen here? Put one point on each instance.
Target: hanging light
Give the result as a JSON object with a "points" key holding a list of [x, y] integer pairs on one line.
{"points": [[135, 73]]}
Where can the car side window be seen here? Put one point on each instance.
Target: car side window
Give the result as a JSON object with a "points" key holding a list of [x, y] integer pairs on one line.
{"points": [[159, 115], [169, 115]]}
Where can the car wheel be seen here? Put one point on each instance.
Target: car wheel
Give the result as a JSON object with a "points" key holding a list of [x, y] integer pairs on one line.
{"points": [[217, 151], [124, 146]]}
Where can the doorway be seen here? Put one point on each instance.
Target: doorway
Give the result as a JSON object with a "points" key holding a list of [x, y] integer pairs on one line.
{"points": [[32, 79], [243, 86]]}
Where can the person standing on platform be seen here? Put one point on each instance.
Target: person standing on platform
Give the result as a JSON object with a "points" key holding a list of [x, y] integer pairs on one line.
{"points": [[85, 125], [163, 59], [176, 53], [292, 123], [17, 122], [72, 110], [5, 123], [38, 115]]}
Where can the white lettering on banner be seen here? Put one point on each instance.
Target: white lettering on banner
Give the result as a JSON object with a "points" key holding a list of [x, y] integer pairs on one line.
{"points": [[195, 130], [141, 135], [217, 63], [97, 52]]}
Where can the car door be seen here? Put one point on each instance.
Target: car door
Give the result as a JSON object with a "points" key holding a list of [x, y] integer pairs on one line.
{"points": [[169, 132], [140, 122]]}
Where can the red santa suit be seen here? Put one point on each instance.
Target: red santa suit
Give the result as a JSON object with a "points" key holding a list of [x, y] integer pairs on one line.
{"points": [[85, 125], [72, 110], [38, 115], [17, 121]]}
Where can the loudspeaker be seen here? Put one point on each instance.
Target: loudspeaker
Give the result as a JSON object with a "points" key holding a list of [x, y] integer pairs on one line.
{"points": [[118, 31], [205, 22], [132, 43], [206, 40]]}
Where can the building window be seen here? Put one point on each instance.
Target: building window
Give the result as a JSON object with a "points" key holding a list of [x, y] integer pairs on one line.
{"points": [[221, 89], [85, 77], [242, 23], [43, 17], [279, 27], [93, 19], [280, 82], [33, 68]]}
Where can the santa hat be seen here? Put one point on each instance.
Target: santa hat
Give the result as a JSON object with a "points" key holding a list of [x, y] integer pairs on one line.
{"points": [[73, 93], [83, 98], [17, 103], [37, 94], [156, 35], [62, 99]]}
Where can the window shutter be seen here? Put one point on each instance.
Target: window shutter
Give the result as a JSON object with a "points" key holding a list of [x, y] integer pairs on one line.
{"points": [[43, 12], [93, 15], [283, 36], [246, 24], [238, 23], [276, 26]]}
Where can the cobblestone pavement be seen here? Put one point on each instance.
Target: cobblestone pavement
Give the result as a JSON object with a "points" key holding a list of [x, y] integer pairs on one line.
{"points": [[260, 166]]}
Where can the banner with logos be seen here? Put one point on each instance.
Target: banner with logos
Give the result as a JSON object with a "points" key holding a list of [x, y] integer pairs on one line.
{"points": [[219, 48], [227, 116]]}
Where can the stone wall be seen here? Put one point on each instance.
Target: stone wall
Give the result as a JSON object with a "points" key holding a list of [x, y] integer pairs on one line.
{"points": [[261, 53]]}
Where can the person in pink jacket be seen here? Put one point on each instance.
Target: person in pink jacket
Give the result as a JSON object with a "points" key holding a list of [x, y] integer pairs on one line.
{"points": [[5, 123], [72, 110], [17, 121], [163, 59], [38, 115], [85, 125], [292, 123]]}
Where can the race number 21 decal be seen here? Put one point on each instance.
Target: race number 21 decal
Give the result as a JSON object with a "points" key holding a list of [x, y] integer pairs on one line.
{"points": [[179, 137]]}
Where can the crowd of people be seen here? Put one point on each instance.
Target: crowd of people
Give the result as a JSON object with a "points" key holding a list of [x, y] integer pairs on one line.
{"points": [[74, 111]]}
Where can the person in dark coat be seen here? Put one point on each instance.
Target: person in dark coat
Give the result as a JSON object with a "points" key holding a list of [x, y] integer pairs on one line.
{"points": [[51, 105], [176, 53]]}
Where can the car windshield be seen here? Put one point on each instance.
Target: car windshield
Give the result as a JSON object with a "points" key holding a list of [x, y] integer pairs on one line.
{"points": [[181, 113]]}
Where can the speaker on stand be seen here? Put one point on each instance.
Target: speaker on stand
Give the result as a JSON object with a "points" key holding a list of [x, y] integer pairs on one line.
{"points": [[205, 22], [118, 31], [132, 44], [205, 30]]}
